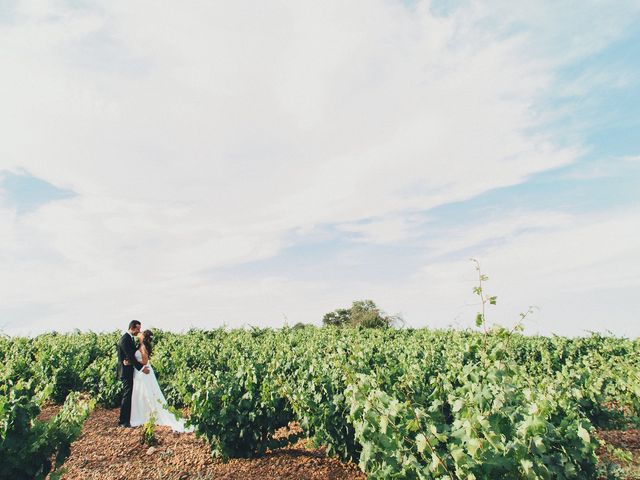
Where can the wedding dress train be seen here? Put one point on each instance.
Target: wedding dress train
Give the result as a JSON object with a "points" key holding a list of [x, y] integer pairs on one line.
{"points": [[147, 398]]}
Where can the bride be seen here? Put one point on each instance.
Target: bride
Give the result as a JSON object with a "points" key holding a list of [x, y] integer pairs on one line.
{"points": [[147, 398]]}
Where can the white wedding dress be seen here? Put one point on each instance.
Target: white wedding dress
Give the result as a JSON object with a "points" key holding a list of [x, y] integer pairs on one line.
{"points": [[147, 398]]}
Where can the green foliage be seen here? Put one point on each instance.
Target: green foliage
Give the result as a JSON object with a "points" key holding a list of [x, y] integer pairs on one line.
{"points": [[313, 381], [363, 313], [483, 422], [149, 431], [302, 325], [99, 380], [236, 407], [337, 318], [67, 424], [60, 361], [27, 445], [404, 403]]}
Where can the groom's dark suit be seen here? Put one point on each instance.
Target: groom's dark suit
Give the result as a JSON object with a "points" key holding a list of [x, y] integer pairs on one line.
{"points": [[126, 351]]}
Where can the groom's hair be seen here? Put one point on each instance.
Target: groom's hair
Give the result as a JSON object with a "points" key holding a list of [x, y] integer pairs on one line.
{"points": [[133, 324]]}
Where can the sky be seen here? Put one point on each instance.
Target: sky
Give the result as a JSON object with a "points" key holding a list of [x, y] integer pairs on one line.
{"points": [[207, 164]]}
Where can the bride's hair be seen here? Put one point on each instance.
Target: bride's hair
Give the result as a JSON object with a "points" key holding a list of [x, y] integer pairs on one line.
{"points": [[147, 341]]}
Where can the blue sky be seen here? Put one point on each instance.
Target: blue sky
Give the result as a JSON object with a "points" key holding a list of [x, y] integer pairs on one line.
{"points": [[25, 193], [164, 166]]}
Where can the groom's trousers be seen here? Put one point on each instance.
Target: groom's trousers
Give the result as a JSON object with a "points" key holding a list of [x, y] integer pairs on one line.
{"points": [[125, 405]]}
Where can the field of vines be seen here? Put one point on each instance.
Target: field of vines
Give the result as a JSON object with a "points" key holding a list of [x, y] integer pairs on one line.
{"points": [[401, 403]]}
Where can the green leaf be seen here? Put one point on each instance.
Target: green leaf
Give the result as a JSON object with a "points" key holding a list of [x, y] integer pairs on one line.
{"points": [[457, 454], [584, 434], [473, 445], [421, 442], [527, 467]]}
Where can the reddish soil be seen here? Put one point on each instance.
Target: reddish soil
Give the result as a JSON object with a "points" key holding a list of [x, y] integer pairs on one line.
{"points": [[47, 411], [107, 452], [627, 440]]}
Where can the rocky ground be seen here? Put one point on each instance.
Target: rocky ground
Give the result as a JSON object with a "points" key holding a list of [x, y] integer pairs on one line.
{"points": [[107, 452]]}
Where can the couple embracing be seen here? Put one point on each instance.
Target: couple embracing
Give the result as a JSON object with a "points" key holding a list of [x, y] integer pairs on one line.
{"points": [[141, 395]]}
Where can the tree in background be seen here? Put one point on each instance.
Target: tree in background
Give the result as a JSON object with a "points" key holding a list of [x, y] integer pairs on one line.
{"points": [[337, 318], [362, 312]]}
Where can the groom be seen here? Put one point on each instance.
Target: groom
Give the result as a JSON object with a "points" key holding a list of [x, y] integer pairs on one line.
{"points": [[126, 362]]}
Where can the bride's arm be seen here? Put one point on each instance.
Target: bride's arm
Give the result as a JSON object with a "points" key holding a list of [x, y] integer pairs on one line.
{"points": [[145, 355]]}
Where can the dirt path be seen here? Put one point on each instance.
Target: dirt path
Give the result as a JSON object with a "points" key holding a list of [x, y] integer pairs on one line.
{"points": [[106, 452]]}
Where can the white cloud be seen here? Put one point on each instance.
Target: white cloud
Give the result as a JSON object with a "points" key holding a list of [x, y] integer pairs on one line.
{"points": [[579, 271], [465, 237], [613, 167], [388, 230], [204, 135]]}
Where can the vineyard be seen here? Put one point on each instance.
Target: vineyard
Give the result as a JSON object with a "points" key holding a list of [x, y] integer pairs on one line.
{"points": [[401, 403]]}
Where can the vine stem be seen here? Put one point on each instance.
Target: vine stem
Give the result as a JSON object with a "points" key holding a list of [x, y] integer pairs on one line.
{"points": [[481, 293], [431, 448]]}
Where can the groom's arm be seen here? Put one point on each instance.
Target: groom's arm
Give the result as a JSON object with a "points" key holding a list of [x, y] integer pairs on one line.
{"points": [[130, 353]]}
